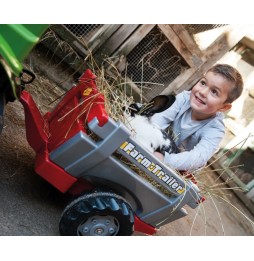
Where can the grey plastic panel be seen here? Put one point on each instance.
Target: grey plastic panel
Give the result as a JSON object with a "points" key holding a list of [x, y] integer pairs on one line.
{"points": [[145, 160], [84, 153], [149, 197], [174, 215], [185, 190], [155, 208], [72, 150]]}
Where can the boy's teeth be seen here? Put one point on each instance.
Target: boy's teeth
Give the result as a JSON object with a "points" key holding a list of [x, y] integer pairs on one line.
{"points": [[200, 101]]}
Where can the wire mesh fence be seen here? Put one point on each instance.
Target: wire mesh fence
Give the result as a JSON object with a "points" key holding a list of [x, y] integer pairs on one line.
{"points": [[154, 63], [198, 28], [84, 31]]}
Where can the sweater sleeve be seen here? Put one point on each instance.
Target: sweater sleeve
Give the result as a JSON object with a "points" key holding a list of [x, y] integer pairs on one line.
{"points": [[200, 154], [164, 118]]}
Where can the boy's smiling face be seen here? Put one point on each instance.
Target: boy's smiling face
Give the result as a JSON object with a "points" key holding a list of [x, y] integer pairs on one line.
{"points": [[209, 96]]}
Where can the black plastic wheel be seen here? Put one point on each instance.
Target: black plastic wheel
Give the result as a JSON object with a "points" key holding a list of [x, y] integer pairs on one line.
{"points": [[97, 214]]}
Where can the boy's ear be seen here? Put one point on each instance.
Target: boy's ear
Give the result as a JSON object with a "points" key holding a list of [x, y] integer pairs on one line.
{"points": [[225, 107]]}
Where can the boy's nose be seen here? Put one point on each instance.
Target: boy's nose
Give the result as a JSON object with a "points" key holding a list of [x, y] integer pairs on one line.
{"points": [[204, 91]]}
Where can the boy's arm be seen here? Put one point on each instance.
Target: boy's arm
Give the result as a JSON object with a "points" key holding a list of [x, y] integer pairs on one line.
{"points": [[199, 155]]}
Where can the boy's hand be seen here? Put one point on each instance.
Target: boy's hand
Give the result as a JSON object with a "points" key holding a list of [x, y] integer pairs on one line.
{"points": [[159, 156]]}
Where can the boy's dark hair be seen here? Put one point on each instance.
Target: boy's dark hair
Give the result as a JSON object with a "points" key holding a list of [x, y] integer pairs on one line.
{"points": [[232, 75]]}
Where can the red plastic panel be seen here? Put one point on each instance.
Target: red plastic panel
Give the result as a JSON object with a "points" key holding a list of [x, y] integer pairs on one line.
{"points": [[55, 175], [143, 227], [79, 106], [36, 125]]}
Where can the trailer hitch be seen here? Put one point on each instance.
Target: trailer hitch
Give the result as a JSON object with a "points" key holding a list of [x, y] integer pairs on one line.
{"points": [[26, 77]]}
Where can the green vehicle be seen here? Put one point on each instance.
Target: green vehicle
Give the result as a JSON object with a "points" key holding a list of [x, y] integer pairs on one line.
{"points": [[16, 42]]}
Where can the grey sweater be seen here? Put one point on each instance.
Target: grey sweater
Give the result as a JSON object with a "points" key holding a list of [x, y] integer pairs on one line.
{"points": [[198, 140]]}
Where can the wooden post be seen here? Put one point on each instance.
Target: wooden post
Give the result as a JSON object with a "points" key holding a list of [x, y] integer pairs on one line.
{"points": [[183, 45], [212, 54]]}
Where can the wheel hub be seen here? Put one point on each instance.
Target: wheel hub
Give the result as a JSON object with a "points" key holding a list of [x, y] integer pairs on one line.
{"points": [[99, 226]]}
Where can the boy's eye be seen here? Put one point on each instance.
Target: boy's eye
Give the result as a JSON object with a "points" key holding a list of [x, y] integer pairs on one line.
{"points": [[203, 82], [215, 92]]}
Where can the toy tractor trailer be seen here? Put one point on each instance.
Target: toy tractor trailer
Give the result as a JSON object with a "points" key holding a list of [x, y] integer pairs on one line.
{"points": [[82, 151]]}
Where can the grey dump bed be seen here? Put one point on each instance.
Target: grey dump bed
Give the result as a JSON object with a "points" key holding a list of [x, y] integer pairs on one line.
{"points": [[96, 161]]}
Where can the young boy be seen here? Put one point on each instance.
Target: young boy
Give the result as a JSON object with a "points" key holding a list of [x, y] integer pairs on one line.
{"points": [[196, 117]]}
